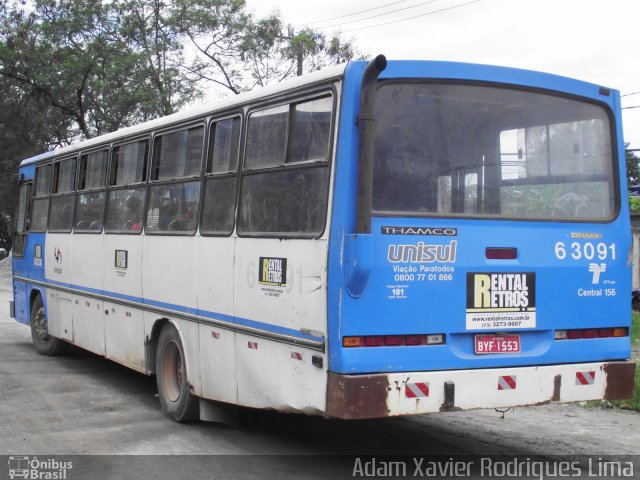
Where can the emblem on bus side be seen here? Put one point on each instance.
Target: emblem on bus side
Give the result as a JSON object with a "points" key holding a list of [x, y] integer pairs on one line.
{"points": [[37, 255], [273, 271], [122, 258], [57, 254]]}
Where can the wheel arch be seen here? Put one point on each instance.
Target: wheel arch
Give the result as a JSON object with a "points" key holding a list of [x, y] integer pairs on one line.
{"points": [[151, 344], [188, 334], [35, 292]]}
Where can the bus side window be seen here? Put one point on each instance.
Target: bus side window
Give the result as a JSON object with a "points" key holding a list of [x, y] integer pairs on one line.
{"points": [[125, 206], [221, 184], [40, 206], [177, 156], [63, 199], [292, 198], [90, 206]]}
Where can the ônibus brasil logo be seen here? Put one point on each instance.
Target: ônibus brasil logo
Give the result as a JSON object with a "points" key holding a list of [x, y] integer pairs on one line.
{"points": [[33, 468]]}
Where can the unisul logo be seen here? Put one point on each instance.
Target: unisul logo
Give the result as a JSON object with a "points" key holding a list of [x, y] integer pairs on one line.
{"points": [[57, 254], [33, 468]]}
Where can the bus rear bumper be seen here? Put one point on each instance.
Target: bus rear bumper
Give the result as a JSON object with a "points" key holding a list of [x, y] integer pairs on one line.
{"points": [[408, 393]]}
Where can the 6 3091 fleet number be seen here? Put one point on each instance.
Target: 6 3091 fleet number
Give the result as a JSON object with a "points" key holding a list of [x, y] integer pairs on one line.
{"points": [[588, 251]]}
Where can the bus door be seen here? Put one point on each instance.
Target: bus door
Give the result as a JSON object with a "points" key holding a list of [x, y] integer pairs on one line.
{"points": [[20, 260]]}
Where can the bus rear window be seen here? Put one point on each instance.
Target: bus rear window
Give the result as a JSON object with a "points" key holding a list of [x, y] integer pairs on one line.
{"points": [[472, 150]]}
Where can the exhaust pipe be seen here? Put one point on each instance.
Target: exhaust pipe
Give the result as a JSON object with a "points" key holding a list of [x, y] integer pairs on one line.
{"points": [[366, 130]]}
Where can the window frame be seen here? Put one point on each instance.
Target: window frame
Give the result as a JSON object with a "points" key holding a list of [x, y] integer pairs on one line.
{"points": [[55, 194], [291, 100], [142, 185], [45, 196], [56, 174], [154, 183], [89, 191], [174, 129], [229, 174], [615, 167]]}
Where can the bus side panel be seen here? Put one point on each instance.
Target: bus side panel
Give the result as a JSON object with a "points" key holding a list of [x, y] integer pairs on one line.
{"points": [[167, 267], [60, 314], [21, 300], [282, 283], [88, 324], [58, 270], [124, 335], [88, 314], [214, 275], [279, 376], [122, 278], [218, 363]]}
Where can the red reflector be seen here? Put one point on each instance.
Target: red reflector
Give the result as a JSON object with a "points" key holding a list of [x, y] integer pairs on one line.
{"points": [[573, 334], [393, 340], [373, 341], [499, 253], [590, 333], [605, 332], [415, 340]]}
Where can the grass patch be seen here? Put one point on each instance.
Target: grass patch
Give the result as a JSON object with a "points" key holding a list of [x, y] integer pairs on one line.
{"points": [[635, 329]]}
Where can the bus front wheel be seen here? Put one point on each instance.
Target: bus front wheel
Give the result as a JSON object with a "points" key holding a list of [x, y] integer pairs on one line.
{"points": [[176, 399], [45, 344]]}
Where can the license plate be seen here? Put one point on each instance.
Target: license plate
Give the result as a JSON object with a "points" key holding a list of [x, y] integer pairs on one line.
{"points": [[485, 344]]}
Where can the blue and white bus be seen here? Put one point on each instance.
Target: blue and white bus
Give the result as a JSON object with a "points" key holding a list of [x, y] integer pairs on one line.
{"points": [[366, 241]]}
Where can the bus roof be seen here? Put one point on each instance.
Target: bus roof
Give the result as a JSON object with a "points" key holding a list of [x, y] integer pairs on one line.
{"points": [[334, 71], [454, 69]]}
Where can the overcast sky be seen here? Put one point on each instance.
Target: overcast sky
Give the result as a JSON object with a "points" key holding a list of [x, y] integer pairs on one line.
{"points": [[593, 40]]}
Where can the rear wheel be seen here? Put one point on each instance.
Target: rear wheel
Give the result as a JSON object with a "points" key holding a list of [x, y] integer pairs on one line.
{"points": [[45, 344], [176, 399]]}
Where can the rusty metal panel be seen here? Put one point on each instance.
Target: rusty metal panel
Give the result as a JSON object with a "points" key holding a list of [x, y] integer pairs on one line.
{"points": [[620, 380], [357, 397]]}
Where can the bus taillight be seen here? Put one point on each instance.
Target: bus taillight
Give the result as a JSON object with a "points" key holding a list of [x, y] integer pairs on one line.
{"points": [[393, 340], [590, 333]]}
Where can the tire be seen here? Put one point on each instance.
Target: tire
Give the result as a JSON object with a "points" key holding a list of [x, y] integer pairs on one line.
{"points": [[176, 399], [45, 344]]}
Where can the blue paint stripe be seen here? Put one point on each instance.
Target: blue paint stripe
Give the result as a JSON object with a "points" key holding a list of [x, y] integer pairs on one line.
{"points": [[245, 322]]}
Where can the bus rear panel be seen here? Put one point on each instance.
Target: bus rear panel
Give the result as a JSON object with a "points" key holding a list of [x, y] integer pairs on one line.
{"points": [[496, 269]]}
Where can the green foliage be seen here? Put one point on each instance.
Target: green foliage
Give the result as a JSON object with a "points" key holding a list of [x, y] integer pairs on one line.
{"points": [[633, 167], [634, 204], [102, 65], [73, 69]]}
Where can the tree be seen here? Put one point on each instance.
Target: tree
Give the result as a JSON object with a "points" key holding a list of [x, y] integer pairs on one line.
{"points": [[251, 52], [87, 60], [72, 69]]}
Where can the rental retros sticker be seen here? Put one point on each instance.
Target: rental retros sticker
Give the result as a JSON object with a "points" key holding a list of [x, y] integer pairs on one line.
{"points": [[497, 300], [272, 276]]}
